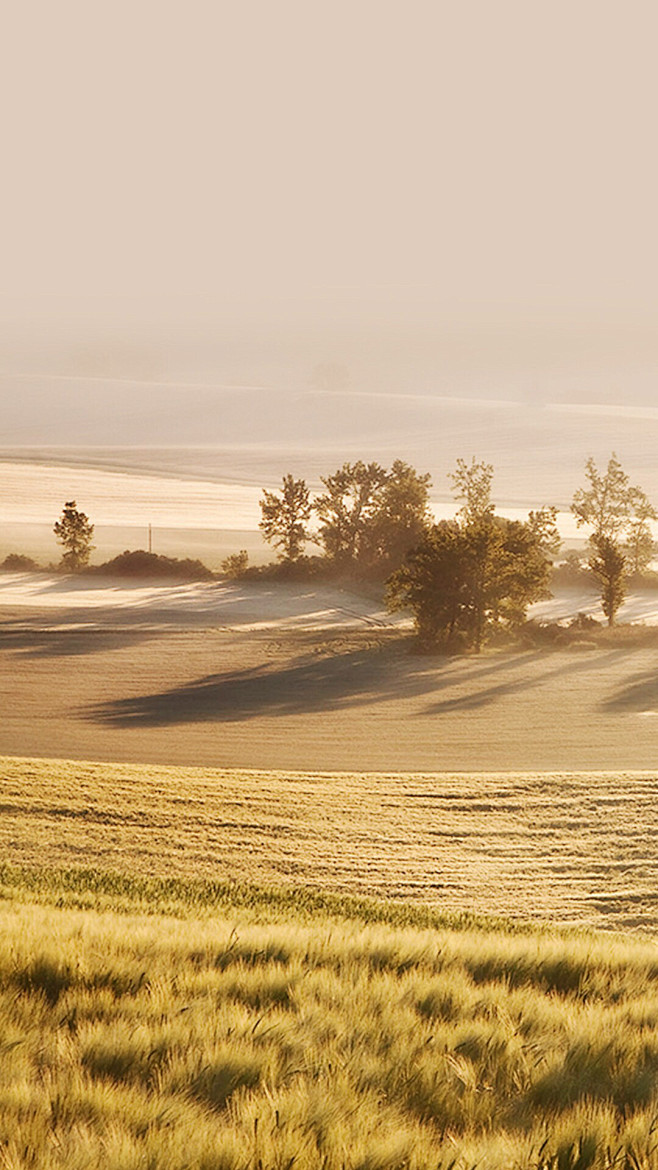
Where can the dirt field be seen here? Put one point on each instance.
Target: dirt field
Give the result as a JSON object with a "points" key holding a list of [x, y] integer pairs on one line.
{"points": [[301, 678], [568, 848]]}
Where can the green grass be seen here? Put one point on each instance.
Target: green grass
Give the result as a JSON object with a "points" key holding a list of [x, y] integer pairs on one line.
{"points": [[161, 1023], [84, 888]]}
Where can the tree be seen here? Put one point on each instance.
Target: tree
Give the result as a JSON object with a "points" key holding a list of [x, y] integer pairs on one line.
{"points": [[464, 579], [433, 583], [346, 509], [507, 571], [370, 517], [235, 565], [74, 532], [472, 484], [543, 524], [400, 518], [608, 564], [614, 509], [610, 504], [285, 516]]}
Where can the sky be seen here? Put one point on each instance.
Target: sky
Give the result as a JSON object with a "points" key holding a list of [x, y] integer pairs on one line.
{"points": [[405, 195]]}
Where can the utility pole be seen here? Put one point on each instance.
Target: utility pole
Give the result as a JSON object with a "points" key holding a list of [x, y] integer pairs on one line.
{"points": [[150, 539]]}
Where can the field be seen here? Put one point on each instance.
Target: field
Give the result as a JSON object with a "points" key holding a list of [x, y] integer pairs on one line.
{"points": [[202, 499], [572, 848], [304, 678], [320, 902], [146, 1029]]}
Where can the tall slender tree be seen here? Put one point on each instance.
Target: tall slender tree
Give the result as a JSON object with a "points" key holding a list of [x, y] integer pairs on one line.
{"points": [[610, 503], [284, 518], [471, 482], [74, 531], [618, 513]]}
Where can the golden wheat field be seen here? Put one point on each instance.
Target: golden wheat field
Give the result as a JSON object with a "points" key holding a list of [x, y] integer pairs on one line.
{"points": [[579, 847], [194, 1027], [232, 969]]}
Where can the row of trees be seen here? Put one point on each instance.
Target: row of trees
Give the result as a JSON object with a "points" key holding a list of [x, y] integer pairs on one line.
{"points": [[465, 576], [460, 578], [368, 517]]}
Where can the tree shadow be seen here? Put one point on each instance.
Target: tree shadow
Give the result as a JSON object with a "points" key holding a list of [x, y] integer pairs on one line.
{"points": [[488, 695], [45, 642], [310, 684], [306, 685], [639, 695]]}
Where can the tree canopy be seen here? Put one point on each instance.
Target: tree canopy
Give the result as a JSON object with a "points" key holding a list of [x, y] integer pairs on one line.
{"points": [[370, 516], [346, 510], [471, 482], [618, 513], [284, 517], [471, 574], [611, 506]]}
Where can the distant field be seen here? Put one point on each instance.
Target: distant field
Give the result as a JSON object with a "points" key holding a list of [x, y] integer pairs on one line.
{"points": [[261, 1035], [580, 848], [265, 677], [204, 503]]}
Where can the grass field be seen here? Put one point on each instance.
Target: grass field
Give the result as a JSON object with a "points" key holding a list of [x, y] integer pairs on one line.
{"points": [[576, 848], [176, 1025]]}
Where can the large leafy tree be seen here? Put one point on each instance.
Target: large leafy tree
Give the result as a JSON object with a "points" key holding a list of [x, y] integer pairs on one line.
{"points": [[346, 510], [401, 516], [284, 518], [508, 571], [461, 580], [370, 516], [474, 573], [433, 583], [74, 531]]}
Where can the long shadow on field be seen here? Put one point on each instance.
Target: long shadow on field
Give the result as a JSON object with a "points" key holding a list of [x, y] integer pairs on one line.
{"points": [[639, 694], [32, 642], [477, 698], [327, 684], [309, 684]]}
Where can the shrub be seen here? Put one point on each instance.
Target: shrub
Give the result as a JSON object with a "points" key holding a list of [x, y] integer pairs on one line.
{"points": [[572, 572], [17, 563], [236, 564], [139, 563]]}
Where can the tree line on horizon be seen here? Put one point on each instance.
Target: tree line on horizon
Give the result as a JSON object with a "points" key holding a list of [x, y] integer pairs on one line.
{"points": [[461, 578]]}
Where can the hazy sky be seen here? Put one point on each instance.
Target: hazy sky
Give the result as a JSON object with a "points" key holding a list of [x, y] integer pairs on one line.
{"points": [[205, 187]]}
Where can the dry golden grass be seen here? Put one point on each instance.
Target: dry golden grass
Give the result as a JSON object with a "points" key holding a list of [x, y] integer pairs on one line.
{"points": [[570, 848], [221, 1043]]}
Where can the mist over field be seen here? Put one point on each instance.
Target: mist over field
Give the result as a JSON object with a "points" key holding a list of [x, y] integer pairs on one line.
{"points": [[307, 850]]}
